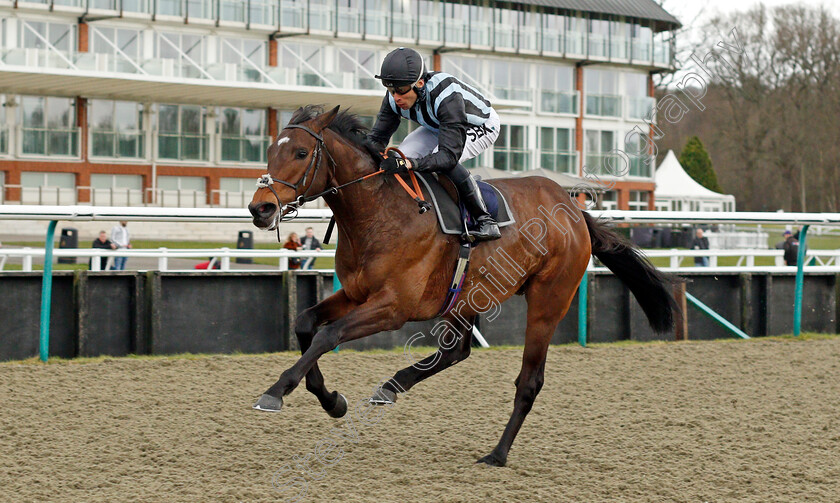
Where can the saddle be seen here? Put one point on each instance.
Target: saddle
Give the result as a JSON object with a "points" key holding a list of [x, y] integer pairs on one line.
{"points": [[452, 216]]}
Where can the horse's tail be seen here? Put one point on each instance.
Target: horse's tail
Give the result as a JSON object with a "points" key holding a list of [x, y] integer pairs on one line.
{"points": [[652, 289]]}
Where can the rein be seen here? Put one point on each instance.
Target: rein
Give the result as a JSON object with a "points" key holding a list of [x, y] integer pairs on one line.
{"points": [[266, 181]]}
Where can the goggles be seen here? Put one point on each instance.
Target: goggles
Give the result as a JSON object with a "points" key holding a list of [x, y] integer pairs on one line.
{"points": [[399, 90]]}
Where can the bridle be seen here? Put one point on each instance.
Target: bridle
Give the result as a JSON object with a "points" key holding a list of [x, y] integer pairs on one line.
{"points": [[266, 181]]}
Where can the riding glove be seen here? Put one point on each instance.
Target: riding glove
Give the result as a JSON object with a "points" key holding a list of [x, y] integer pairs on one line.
{"points": [[394, 165]]}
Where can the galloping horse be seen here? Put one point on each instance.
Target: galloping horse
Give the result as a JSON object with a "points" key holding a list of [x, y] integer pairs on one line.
{"points": [[395, 265]]}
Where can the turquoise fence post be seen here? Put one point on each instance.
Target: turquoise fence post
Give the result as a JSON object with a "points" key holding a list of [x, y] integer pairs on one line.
{"points": [[336, 287], [800, 277], [46, 293], [582, 307]]}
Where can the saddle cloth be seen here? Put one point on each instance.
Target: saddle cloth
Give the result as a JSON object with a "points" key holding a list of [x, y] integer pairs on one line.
{"points": [[449, 212]]}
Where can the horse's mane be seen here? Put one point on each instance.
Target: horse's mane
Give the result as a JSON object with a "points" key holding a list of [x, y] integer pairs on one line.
{"points": [[348, 125]]}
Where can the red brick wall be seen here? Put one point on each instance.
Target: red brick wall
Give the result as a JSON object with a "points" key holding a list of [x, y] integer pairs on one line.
{"points": [[83, 37]]}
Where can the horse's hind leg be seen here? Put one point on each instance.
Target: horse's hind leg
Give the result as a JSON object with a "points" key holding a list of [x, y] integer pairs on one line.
{"points": [[306, 324], [454, 340], [543, 317]]}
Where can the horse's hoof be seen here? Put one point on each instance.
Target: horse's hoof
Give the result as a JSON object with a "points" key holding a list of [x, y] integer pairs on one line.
{"points": [[340, 407], [383, 396], [269, 403], [491, 460]]}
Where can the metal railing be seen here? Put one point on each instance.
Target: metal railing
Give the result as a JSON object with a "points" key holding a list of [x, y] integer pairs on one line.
{"points": [[559, 102], [819, 260], [603, 105]]}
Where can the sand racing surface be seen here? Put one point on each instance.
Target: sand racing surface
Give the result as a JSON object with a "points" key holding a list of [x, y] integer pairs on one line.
{"points": [[695, 422]]}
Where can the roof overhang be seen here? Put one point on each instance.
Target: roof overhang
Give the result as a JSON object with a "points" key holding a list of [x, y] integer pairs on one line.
{"points": [[143, 88]]}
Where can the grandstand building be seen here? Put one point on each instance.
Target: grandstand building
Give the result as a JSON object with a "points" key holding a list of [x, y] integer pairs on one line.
{"points": [[173, 102]]}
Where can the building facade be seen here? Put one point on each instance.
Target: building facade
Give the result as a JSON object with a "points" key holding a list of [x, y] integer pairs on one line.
{"points": [[173, 102]]}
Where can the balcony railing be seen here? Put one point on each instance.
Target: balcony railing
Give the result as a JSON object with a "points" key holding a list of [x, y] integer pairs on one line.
{"points": [[598, 46], [603, 105], [662, 52], [292, 14], [244, 148], [505, 36], [349, 20], [430, 28], [641, 166], [619, 47], [561, 162], [481, 33], [552, 40], [52, 142], [182, 147], [641, 108], [641, 50], [457, 31], [512, 93], [559, 102], [575, 43], [404, 25], [114, 196], [616, 164]]}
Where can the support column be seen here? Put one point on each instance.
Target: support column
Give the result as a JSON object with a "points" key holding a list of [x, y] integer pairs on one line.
{"points": [[213, 186], [272, 51], [579, 118], [623, 199], [83, 37], [83, 176], [681, 318], [13, 178], [436, 63], [273, 129]]}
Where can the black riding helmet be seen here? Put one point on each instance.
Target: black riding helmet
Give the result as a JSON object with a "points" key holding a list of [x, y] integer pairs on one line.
{"points": [[401, 67]]}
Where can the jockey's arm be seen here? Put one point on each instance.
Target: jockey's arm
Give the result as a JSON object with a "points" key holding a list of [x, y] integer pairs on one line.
{"points": [[451, 138], [387, 123]]}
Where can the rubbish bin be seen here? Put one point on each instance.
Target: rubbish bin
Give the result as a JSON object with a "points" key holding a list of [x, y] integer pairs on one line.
{"points": [[245, 242], [69, 239]]}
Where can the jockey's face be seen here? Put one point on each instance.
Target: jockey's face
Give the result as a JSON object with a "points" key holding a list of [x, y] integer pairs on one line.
{"points": [[407, 99]]}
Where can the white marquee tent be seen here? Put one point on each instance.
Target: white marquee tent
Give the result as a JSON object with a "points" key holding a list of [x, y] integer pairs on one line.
{"points": [[677, 191]]}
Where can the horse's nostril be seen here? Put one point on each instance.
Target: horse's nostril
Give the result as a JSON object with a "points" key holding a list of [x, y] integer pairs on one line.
{"points": [[262, 210]]}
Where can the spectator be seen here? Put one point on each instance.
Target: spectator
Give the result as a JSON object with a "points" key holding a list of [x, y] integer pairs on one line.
{"points": [[293, 243], [122, 241], [103, 243], [700, 243], [791, 248], [310, 242]]}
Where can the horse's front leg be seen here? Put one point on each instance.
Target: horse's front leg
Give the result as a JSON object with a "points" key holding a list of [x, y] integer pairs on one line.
{"points": [[306, 324], [375, 315]]}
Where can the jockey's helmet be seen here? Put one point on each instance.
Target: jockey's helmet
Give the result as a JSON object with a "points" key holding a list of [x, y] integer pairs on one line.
{"points": [[401, 67]]}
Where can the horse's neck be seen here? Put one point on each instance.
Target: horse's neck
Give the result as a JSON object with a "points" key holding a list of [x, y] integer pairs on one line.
{"points": [[366, 209]]}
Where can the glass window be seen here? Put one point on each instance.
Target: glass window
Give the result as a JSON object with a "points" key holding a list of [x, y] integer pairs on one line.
{"points": [[528, 23], [4, 131], [377, 17], [116, 190], [597, 145], [456, 22], [639, 200], [599, 30], [37, 34], [47, 188], [505, 29], [619, 39], [303, 64], [121, 45], [557, 92], [49, 126], [321, 15], [186, 50], [350, 16], [232, 10], [552, 32], [244, 56], [557, 150], [510, 152], [236, 192], [116, 129], [404, 18], [431, 13], [637, 148], [183, 191], [575, 34], [293, 13], [642, 36], [510, 80], [602, 97], [181, 134], [244, 137], [360, 65], [481, 23]]}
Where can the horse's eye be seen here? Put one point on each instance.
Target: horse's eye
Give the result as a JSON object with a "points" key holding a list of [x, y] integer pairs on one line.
{"points": [[301, 154]]}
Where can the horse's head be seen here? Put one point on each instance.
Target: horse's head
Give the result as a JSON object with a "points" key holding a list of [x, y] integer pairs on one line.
{"points": [[297, 167]]}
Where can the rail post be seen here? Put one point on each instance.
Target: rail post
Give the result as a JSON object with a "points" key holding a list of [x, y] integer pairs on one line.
{"points": [[797, 293], [582, 307], [46, 293]]}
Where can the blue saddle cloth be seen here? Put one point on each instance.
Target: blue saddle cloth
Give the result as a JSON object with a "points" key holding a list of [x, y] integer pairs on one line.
{"points": [[491, 199]]}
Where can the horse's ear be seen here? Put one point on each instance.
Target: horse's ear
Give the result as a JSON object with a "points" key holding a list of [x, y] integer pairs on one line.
{"points": [[325, 119]]}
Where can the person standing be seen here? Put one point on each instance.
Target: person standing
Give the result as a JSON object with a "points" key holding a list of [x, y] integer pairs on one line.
{"points": [[122, 241], [310, 242], [103, 243], [293, 243], [700, 243], [791, 248]]}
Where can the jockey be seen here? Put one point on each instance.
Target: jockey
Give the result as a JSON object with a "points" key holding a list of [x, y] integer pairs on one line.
{"points": [[458, 124]]}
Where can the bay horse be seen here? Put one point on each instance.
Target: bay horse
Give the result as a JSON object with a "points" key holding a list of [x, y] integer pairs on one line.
{"points": [[395, 266]]}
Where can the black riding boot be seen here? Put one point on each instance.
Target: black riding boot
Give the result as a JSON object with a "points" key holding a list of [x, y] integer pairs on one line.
{"points": [[469, 192]]}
